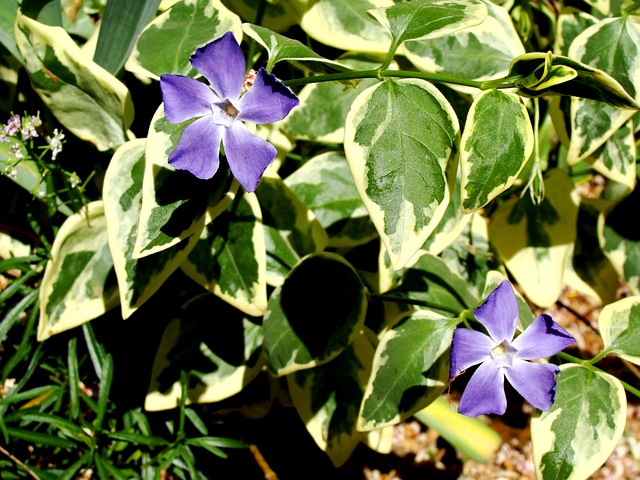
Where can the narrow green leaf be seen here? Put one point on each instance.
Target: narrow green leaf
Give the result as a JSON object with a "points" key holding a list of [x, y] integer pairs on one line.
{"points": [[196, 421], [13, 315], [96, 350], [38, 438], [137, 438], [302, 328], [575, 437], [105, 387], [74, 379], [121, 23], [399, 139]]}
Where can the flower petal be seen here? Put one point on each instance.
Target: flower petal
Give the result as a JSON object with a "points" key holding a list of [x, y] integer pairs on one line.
{"points": [[185, 98], [499, 313], [484, 393], [536, 382], [543, 338], [467, 349], [222, 63], [198, 148], [267, 101], [248, 155]]}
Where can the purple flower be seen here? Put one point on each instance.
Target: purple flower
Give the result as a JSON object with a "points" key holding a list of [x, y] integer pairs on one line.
{"points": [[220, 110], [500, 356]]}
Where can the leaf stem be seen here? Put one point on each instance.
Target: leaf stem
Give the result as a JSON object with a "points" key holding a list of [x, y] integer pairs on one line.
{"points": [[412, 301], [507, 82]]}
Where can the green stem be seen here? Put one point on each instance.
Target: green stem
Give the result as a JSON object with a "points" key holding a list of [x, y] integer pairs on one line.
{"points": [[630, 389], [411, 301], [631, 8], [506, 82]]}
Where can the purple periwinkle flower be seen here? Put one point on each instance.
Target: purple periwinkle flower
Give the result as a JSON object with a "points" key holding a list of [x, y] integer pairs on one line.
{"points": [[220, 110], [500, 356]]}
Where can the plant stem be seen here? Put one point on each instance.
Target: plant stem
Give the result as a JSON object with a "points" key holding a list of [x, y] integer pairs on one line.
{"points": [[507, 82], [411, 301]]}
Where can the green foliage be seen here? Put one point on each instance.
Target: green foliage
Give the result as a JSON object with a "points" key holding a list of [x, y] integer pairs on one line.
{"points": [[439, 146]]}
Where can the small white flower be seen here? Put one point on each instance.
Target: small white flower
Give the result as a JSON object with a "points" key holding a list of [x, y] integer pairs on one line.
{"points": [[16, 151], [74, 180], [55, 143]]}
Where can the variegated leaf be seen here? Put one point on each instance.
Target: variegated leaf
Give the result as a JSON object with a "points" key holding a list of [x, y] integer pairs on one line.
{"points": [[479, 52], [620, 239], [496, 144], [611, 45], [166, 44], [277, 16], [281, 48], [291, 229], [325, 185], [430, 280], [314, 315], [570, 25], [175, 204], [616, 159], [76, 286], [138, 279], [230, 260], [575, 437], [325, 397], [345, 24], [85, 98], [215, 344], [399, 139], [536, 240], [410, 370], [619, 325]]}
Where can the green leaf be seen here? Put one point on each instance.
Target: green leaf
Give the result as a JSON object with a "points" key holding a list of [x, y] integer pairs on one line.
{"points": [[281, 48], [344, 24], [314, 315], [612, 46], [8, 11], [37, 438], [431, 280], [619, 325], [326, 398], [138, 279], [230, 258], [399, 138], [166, 44], [496, 144], [84, 97], [479, 52], [410, 369], [175, 204], [570, 25], [121, 23], [277, 16], [575, 437], [620, 239], [291, 229], [616, 158], [535, 240], [325, 185], [425, 19], [76, 286], [219, 350], [137, 439]]}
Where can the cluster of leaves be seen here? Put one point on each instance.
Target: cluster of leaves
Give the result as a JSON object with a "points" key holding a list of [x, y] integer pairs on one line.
{"points": [[443, 146]]}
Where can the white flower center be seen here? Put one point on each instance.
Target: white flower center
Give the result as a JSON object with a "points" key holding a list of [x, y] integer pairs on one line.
{"points": [[503, 354], [224, 113]]}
